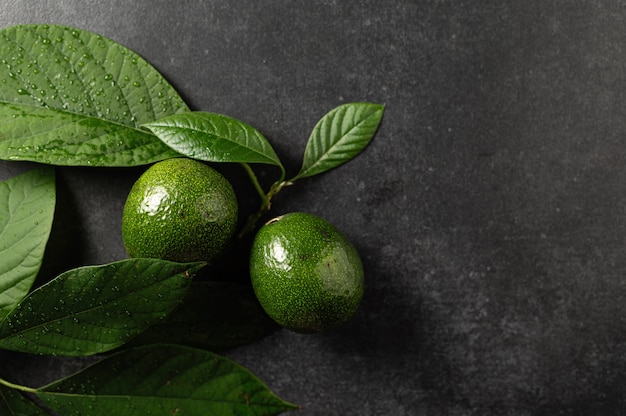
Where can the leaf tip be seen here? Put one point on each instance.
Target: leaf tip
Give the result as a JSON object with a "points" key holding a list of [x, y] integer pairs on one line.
{"points": [[194, 269]]}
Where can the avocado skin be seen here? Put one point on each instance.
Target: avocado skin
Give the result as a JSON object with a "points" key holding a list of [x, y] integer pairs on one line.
{"points": [[306, 274], [180, 210]]}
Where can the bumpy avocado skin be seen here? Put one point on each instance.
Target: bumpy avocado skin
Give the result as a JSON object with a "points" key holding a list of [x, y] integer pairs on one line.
{"points": [[180, 210], [306, 274]]}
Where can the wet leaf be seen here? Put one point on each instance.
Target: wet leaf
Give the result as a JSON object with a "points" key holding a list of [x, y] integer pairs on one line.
{"points": [[93, 309], [163, 380], [26, 211], [72, 97], [339, 136], [13, 403]]}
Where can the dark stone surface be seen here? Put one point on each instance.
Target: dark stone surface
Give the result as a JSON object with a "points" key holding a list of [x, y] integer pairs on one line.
{"points": [[489, 210]]}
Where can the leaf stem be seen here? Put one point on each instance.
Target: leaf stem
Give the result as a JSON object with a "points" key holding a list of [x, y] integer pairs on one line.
{"points": [[17, 386], [254, 180]]}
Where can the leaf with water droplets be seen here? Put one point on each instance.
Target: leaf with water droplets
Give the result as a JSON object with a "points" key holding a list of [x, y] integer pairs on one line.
{"points": [[27, 206], [13, 403], [72, 97], [93, 309], [163, 380]]}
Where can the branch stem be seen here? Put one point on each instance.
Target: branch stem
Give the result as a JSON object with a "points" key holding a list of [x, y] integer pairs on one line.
{"points": [[266, 199]]}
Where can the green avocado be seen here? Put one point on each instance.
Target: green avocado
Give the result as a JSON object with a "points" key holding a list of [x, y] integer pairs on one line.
{"points": [[306, 274], [180, 210]]}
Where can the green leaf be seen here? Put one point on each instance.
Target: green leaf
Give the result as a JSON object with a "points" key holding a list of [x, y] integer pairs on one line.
{"points": [[214, 138], [26, 211], [93, 309], [163, 380], [215, 316], [72, 97], [13, 403], [339, 136]]}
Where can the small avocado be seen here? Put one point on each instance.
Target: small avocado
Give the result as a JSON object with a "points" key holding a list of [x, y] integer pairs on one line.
{"points": [[180, 210], [306, 274]]}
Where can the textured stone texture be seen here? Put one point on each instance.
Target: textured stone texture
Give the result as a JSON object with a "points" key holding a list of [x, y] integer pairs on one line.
{"points": [[489, 210]]}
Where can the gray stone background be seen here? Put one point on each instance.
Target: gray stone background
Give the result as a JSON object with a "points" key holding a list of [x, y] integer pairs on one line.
{"points": [[489, 210]]}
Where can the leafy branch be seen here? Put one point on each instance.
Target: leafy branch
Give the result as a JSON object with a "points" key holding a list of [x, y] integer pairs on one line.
{"points": [[70, 97], [338, 137]]}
